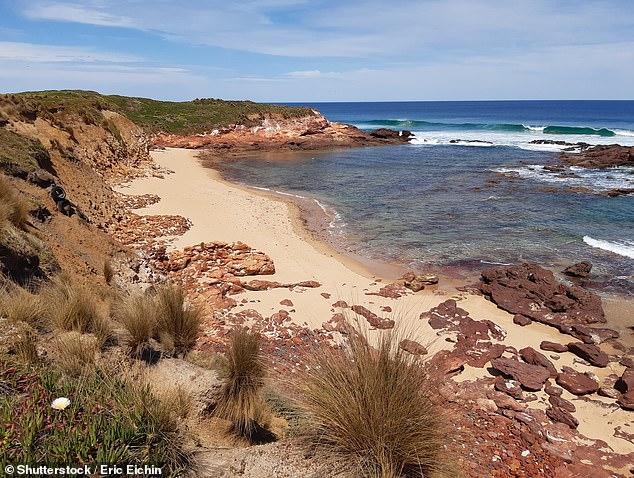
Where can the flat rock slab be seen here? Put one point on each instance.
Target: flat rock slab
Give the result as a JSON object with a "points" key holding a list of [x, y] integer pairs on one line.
{"points": [[531, 377], [593, 354], [577, 383]]}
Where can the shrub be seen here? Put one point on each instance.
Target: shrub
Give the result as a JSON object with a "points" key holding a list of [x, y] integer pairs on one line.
{"points": [[178, 321], [369, 407], [241, 401]]}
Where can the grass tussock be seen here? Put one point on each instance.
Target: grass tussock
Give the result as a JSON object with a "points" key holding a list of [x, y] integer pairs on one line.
{"points": [[137, 313], [14, 209], [241, 399], [72, 306], [369, 407], [76, 354], [20, 305], [178, 321]]}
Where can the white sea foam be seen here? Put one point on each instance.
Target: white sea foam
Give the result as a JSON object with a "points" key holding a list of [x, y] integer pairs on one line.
{"points": [[517, 139], [625, 249], [592, 179]]}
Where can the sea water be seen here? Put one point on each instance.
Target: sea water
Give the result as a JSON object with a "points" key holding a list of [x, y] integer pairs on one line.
{"points": [[471, 189]]}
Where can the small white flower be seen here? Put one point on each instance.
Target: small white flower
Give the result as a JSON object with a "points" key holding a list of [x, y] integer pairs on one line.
{"points": [[60, 403]]}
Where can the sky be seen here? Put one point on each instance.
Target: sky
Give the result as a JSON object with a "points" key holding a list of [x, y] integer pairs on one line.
{"points": [[312, 51]]}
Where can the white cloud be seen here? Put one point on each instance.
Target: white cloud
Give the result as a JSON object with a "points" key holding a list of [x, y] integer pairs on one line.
{"points": [[31, 52], [77, 13], [305, 74]]}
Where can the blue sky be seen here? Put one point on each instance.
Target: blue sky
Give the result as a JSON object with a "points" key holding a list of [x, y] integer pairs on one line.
{"points": [[296, 50]]}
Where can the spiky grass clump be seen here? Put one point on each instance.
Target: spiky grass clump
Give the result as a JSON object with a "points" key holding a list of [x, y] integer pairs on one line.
{"points": [[178, 321], [370, 408], [76, 353], [14, 209], [20, 305], [137, 313], [71, 306], [241, 402]]}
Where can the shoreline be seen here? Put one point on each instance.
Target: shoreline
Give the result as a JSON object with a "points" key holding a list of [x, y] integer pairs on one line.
{"points": [[223, 211]]}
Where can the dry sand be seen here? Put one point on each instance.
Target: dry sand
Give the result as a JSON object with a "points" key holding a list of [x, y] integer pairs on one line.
{"points": [[221, 211]]}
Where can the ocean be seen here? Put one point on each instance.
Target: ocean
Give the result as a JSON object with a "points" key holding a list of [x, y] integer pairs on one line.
{"points": [[472, 189]]}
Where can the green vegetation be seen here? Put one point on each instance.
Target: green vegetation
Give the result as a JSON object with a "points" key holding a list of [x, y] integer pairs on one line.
{"points": [[109, 421], [19, 154], [187, 117], [369, 408]]}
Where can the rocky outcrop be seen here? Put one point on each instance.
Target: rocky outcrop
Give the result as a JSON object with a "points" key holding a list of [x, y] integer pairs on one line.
{"points": [[307, 133], [373, 319], [532, 291], [600, 157], [580, 269]]}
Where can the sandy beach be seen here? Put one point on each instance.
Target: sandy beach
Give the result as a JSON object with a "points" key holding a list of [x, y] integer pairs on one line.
{"points": [[221, 211]]}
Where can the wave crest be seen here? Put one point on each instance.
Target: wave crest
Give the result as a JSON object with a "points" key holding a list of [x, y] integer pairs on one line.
{"points": [[625, 249]]}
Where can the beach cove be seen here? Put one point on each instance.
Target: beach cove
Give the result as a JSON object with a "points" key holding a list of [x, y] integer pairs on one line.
{"points": [[220, 211]]}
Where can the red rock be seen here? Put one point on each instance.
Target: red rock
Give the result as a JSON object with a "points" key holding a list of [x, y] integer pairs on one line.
{"points": [[341, 304], [480, 353], [280, 317], [390, 291], [627, 362], [577, 383], [510, 387], [553, 347], [287, 302], [589, 352], [325, 295], [562, 416], [310, 284], [558, 402], [533, 292], [626, 401], [373, 319], [608, 387], [521, 320], [502, 400], [533, 357], [258, 285], [412, 347], [531, 377], [552, 390], [580, 269], [626, 382]]}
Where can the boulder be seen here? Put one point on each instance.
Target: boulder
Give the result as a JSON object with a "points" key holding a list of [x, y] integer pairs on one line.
{"points": [[521, 320], [577, 383], [531, 377], [626, 401], [533, 357], [593, 354], [580, 269], [553, 347], [626, 382]]}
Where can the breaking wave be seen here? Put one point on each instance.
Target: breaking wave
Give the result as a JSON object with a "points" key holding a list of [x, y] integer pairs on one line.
{"points": [[625, 249]]}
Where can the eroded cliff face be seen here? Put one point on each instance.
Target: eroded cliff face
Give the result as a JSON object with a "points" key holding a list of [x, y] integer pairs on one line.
{"points": [[88, 150], [313, 131]]}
